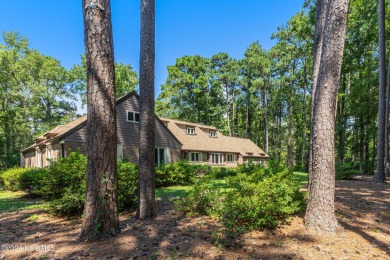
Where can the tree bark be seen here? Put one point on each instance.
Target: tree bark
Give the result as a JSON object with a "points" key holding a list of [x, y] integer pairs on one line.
{"points": [[101, 212], [387, 162], [320, 215], [265, 118], [380, 171], [290, 126], [321, 13], [248, 121], [146, 186]]}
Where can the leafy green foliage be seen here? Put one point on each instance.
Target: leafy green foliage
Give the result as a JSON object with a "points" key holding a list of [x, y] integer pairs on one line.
{"points": [[32, 179], [65, 176], [260, 200], [178, 173], [252, 200], [127, 186], [10, 178], [203, 199], [345, 170]]}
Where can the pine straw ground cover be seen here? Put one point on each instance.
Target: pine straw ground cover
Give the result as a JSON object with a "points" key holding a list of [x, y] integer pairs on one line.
{"points": [[362, 208]]}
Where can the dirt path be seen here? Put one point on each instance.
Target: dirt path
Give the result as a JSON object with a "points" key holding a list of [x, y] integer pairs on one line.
{"points": [[363, 209]]}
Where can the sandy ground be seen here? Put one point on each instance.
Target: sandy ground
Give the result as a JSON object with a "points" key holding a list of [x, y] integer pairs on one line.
{"points": [[362, 208]]}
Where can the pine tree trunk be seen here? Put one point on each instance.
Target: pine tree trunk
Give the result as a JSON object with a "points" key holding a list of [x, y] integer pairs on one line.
{"points": [[380, 169], [387, 164], [290, 159], [320, 215], [101, 212], [248, 122], [265, 118], [146, 186], [304, 149], [321, 13]]}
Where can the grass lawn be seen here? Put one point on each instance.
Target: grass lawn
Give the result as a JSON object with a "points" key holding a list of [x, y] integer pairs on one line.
{"points": [[302, 177], [172, 192], [17, 200]]}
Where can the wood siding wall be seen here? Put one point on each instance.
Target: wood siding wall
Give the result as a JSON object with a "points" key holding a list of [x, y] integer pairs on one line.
{"points": [[128, 132]]}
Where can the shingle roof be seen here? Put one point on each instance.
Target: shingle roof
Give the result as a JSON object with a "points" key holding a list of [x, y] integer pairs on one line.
{"points": [[59, 131], [202, 141]]}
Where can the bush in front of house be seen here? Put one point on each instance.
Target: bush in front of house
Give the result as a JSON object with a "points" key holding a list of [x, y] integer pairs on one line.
{"points": [[67, 175], [223, 172], [31, 180], [10, 178], [177, 173], [203, 199], [260, 199], [127, 186]]}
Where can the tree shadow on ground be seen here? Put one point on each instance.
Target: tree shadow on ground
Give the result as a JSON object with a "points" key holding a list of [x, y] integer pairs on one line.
{"points": [[363, 207]]}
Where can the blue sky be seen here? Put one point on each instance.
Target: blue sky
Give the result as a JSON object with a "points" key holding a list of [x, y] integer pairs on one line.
{"points": [[183, 27]]}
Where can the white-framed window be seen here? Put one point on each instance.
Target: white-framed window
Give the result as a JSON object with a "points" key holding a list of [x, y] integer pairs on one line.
{"points": [[49, 151], [194, 157], [190, 130], [132, 116], [217, 158], [159, 155], [213, 134], [39, 159], [230, 157]]}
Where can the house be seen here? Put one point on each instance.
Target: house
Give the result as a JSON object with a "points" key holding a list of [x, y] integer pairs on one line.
{"points": [[206, 145], [175, 140], [57, 142]]}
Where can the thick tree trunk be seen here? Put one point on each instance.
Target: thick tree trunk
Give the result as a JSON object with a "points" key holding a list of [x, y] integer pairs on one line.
{"points": [[321, 13], [320, 215], [101, 212], [380, 169], [146, 187], [387, 164]]}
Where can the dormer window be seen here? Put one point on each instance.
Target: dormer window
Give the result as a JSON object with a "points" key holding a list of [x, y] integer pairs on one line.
{"points": [[132, 116], [190, 130], [213, 134]]}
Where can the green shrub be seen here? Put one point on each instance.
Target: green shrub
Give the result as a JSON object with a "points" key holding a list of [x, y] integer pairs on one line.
{"points": [[178, 173], [203, 199], [127, 186], [64, 176], [345, 170], [31, 180], [222, 172], [71, 204], [260, 200], [10, 178]]}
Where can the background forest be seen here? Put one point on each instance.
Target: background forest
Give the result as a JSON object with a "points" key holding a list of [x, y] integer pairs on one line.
{"points": [[264, 96]]}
